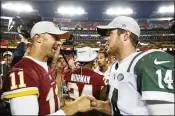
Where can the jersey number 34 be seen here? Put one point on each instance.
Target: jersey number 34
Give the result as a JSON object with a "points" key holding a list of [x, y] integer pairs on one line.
{"points": [[73, 87]]}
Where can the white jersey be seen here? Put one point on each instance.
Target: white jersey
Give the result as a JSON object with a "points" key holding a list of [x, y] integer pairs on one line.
{"points": [[127, 95]]}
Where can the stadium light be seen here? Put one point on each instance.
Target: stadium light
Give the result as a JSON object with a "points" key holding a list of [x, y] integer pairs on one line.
{"points": [[166, 9], [17, 7], [71, 11], [4, 17], [119, 11]]}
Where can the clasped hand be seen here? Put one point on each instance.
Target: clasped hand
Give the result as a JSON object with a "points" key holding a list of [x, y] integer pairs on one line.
{"points": [[86, 103]]}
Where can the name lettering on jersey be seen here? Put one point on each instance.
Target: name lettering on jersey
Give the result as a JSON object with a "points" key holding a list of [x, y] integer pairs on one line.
{"points": [[80, 78]]}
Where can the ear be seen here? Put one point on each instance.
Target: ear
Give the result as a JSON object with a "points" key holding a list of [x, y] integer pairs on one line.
{"points": [[126, 36], [37, 37]]}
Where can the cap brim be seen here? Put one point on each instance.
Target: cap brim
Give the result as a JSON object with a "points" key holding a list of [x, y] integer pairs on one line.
{"points": [[103, 29], [62, 34], [82, 59]]}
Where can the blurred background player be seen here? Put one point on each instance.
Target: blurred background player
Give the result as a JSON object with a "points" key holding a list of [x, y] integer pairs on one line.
{"points": [[83, 80], [5, 65], [102, 63]]}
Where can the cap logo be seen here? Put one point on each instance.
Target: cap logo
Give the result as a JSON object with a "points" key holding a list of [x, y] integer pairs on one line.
{"points": [[123, 25]]}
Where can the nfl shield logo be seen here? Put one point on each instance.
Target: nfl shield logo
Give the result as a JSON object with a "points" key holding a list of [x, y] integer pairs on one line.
{"points": [[120, 77]]}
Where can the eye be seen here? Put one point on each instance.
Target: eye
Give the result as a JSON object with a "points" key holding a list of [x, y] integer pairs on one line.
{"points": [[108, 33], [56, 37]]}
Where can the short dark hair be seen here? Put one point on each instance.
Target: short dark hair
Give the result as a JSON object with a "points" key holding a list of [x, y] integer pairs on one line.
{"points": [[105, 54], [134, 38]]}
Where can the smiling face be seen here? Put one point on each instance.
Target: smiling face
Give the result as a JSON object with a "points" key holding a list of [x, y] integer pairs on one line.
{"points": [[50, 44]]}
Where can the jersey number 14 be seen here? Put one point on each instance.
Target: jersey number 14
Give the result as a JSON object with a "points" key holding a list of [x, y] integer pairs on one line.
{"points": [[167, 79]]}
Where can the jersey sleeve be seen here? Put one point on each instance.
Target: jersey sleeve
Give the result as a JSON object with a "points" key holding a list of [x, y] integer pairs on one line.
{"points": [[155, 76], [20, 82]]}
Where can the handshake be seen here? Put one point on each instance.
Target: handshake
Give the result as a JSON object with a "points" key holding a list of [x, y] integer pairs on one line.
{"points": [[86, 103], [81, 104]]}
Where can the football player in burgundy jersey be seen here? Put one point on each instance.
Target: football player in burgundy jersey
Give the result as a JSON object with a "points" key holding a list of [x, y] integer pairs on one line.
{"points": [[84, 81], [30, 87]]}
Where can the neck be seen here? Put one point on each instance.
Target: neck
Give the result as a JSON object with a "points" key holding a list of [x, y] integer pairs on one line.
{"points": [[88, 65], [103, 68], [125, 52], [38, 55]]}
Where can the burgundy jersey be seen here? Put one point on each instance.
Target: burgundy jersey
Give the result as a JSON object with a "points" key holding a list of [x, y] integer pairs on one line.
{"points": [[83, 82], [29, 78]]}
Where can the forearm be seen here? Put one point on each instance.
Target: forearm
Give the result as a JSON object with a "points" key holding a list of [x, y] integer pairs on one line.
{"points": [[59, 84], [25, 103], [104, 106]]}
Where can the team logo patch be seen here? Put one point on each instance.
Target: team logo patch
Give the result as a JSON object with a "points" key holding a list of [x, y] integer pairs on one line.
{"points": [[120, 77]]}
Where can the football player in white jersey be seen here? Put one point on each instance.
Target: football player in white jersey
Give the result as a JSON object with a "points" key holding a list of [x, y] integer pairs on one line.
{"points": [[102, 63], [141, 83]]}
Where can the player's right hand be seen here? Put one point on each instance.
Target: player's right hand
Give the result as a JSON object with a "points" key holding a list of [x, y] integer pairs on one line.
{"points": [[83, 104], [93, 101]]}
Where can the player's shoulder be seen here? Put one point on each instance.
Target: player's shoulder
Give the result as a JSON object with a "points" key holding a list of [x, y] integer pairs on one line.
{"points": [[24, 62], [25, 65], [154, 56], [150, 57], [97, 79], [155, 53]]}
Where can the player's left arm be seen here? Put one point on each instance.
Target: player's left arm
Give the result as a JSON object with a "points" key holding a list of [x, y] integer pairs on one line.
{"points": [[21, 105], [155, 73]]}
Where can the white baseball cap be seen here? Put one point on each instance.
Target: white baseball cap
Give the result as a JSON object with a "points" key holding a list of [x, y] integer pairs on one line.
{"points": [[46, 27], [86, 54], [7, 53], [122, 22]]}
